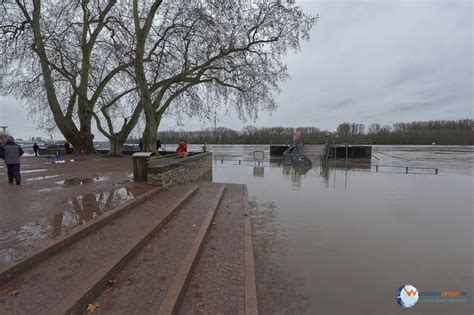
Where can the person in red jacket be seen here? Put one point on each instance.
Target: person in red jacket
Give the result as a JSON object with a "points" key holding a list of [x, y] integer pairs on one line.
{"points": [[182, 149]]}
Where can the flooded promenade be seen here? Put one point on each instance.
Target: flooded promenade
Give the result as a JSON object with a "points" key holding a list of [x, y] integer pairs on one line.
{"points": [[327, 240], [337, 240]]}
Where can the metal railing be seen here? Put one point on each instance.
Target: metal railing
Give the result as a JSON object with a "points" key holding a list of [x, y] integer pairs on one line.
{"points": [[352, 142], [294, 153], [435, 169]]}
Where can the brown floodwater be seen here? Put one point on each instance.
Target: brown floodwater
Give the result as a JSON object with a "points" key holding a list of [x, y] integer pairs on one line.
{"points": [[342, 240]]}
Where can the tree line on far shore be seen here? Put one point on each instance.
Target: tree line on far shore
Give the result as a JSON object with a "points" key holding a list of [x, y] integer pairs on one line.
{"points": [[445, 132]]}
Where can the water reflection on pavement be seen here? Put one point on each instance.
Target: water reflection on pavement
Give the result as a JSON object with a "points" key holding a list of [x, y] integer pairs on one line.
{"points": [[77, 210]]}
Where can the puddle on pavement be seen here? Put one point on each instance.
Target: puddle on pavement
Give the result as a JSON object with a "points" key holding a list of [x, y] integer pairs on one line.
{"points": [[124, 182], [77, 211], [41, 177], [49, 189], [29, 171], [81, 181], [33, 171]]}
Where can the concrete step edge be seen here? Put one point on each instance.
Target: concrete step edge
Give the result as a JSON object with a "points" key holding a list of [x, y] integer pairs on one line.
{"points": [[251, 305], [177, 289], [88, 290], [38, 256]]}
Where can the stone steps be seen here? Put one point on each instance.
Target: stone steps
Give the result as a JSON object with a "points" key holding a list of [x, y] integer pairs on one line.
{"points": [[223, 281], [67, 280], [155, 279], [186, 250]]}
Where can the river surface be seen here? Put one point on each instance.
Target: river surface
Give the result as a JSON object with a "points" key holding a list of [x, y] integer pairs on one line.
{"points": [[342, 240]]}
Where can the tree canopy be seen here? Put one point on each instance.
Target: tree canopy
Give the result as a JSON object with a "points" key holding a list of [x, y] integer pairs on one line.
{"points": [[112, 62]]}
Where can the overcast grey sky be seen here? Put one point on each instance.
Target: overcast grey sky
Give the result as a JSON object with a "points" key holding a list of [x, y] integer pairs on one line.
{"points": [[367, 61]]}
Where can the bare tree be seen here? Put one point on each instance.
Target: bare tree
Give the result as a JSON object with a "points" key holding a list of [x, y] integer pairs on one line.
{"points": [[106, 61], [69, 57], [231, 50]]}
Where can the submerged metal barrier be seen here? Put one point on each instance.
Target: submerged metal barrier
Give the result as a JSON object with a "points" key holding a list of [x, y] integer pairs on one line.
{"points": [[377, 166], [435, 169], [349, 165]]}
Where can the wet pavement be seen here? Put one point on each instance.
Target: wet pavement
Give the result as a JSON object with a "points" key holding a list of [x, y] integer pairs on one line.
{"points": [[54, 198]]}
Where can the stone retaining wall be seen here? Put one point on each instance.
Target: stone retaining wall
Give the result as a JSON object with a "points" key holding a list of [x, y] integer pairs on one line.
{"points": [[180, 170]]}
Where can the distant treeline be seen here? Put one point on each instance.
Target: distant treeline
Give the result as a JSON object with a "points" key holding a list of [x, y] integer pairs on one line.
{"points": [[446, 132]]}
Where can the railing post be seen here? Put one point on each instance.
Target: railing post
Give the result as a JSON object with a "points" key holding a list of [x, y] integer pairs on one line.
{"points": [[346, 154]]}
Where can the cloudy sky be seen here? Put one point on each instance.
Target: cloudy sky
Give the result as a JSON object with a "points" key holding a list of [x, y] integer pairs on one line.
{"points": [[367, 61]]}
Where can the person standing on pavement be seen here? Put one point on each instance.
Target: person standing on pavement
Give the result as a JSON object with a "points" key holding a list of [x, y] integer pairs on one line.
{"points": [[158, 144], [10, 152], [36, 149], [67, 146]]}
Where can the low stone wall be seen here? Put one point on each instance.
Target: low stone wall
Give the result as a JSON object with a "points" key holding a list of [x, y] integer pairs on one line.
{"points": [[180, 170]]}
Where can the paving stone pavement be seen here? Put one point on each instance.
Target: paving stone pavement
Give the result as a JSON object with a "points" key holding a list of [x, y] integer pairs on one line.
{"points": [[142, 285], [41, 288], [217, 285]]}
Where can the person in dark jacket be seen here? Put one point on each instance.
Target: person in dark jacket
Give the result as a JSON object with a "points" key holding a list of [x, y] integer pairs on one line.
{"points": [[36, 149], [158, 144], [140, 145], [67, 146], [11, 152]]}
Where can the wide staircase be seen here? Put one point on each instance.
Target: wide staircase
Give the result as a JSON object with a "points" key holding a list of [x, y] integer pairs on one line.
{"points": [[185, 250]]}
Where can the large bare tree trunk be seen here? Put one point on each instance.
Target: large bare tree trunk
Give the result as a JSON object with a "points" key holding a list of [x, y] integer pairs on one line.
{"points": [[150, 134], [83, 143], [116, 143]]}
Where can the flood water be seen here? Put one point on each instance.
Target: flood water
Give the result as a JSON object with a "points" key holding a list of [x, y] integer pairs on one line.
{"points": [[342, 240]]}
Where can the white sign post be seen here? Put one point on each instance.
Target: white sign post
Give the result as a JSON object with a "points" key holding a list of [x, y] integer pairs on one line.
{"points": [[258, 156]]}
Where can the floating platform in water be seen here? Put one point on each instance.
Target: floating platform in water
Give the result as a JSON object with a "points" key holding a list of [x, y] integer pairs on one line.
{"points": [[277, 148], [347, 150]]}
